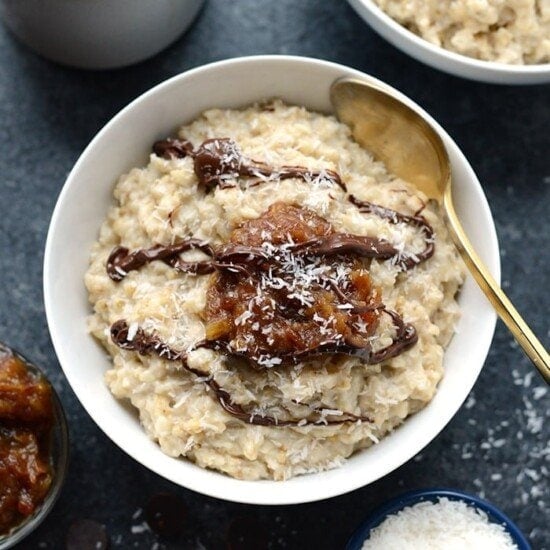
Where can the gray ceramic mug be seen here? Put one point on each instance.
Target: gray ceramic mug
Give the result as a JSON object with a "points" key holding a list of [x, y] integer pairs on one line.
{"points": [[98, 34]]}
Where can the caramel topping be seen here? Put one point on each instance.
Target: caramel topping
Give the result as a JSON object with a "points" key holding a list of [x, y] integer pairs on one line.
{"points": [[293, 303]]}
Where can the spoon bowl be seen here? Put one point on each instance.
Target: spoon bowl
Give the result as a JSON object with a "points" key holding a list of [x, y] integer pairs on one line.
{"points": [[412, 149], [383, 124]]}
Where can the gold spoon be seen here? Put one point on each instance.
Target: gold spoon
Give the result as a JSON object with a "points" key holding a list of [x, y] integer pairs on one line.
{"points": [[414, 151]]}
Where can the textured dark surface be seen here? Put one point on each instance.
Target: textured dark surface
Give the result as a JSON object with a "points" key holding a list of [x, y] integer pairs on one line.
{"points": [[496, 446]]}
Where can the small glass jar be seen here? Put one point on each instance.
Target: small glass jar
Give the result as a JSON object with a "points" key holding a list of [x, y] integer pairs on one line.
{"points": [[59, 458]]}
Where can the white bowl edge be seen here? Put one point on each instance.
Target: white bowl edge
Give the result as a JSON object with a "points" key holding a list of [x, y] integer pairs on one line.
{"points": [[64, 270]]}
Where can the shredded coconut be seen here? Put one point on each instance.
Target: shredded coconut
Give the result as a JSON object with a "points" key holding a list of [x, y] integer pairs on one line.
{"points": [[448, 524]]}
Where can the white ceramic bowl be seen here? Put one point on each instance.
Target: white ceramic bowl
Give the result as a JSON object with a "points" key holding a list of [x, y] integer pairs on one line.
{"points": [[98, 34], [126, 142], [445, 60]]}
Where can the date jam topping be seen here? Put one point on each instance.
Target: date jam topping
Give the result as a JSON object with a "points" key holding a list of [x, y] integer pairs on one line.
{"points": [[293, 304], [286, 287], [26, 420]]}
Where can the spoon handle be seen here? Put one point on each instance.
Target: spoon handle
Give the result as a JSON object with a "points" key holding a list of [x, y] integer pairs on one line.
{"points": [[504, 308]]}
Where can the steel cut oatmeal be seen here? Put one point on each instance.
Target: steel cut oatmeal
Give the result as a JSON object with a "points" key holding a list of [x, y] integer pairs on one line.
{"points": [[505, 31], [273, 300]]}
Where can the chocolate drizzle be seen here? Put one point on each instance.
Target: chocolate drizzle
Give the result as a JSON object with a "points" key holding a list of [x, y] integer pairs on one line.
{"points": [[345, 243], [219, 163], [236, 257], [147, 344], [405, 337], [173, 148], [405, 261], [121, 260]]}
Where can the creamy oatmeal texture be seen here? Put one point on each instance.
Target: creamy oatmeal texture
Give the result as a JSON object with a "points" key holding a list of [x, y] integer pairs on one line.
{"points": [[506, 31], [163, 203]]}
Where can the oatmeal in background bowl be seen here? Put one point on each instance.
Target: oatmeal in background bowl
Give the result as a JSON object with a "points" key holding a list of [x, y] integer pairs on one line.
{"points": [[273, 300], [502, 31]]}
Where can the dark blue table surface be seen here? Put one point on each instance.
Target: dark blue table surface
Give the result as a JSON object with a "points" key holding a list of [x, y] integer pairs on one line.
{"points": [[496, 446]]}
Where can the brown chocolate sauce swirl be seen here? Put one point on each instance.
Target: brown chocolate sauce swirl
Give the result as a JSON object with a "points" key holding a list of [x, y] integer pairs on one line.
{"points": [[236, 257], [121, 260], [173, 148], [405, 337], [219, 163], [147, 344], [407, 261]]}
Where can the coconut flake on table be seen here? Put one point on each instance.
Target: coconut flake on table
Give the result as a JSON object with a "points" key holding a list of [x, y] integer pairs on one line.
{"points": [[448, 524]]}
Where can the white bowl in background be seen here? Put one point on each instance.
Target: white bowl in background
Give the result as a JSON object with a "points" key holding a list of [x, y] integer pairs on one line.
{"points": [[98, 34], [82, 206], [445, 60]]}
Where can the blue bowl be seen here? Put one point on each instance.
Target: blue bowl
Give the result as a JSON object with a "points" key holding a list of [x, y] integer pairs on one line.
{"points": [[414, 497]]}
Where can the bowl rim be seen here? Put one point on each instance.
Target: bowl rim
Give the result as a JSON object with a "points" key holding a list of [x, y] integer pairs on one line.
{"points": [[494, 69], [410, 498], [232, 489], [60, 431]]}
